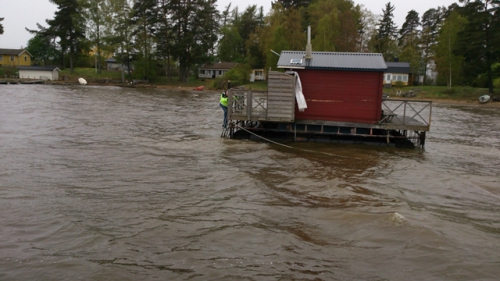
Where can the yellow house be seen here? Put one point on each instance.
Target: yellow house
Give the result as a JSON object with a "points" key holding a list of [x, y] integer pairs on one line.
{"points": [[14, 57]]}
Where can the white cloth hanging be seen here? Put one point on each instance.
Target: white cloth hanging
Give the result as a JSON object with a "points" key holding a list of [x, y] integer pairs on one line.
{"points": [[299, 95]]}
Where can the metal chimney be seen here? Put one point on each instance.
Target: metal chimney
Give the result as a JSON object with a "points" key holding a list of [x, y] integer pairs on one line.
{"points": [[308, 55]]}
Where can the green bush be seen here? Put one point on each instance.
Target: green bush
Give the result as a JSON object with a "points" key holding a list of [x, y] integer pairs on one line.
{"points": [[9, 71], [496, 83], [219, 83], [239, 75]]}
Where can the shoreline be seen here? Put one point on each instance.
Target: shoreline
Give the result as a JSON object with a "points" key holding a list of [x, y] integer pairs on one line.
{"points": [[451, 102]]}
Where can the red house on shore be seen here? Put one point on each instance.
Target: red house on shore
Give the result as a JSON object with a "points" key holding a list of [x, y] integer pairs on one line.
{"points": [[341, 87]]}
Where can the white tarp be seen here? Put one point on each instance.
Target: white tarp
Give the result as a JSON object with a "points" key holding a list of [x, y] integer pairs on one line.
{"points": [[299, 95]]}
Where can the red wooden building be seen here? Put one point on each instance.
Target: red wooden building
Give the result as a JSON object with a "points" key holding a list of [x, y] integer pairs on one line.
{"points": [[343, 87]]}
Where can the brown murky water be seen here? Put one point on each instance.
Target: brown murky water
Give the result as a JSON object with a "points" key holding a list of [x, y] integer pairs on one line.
{"points": [[124, 184]]}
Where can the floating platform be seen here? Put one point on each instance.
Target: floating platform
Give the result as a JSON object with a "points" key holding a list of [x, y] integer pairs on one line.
{"points": [[270, 114]]}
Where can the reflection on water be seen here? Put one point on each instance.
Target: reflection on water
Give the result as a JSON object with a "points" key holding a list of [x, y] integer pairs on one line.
{"points": [[136, 184]]}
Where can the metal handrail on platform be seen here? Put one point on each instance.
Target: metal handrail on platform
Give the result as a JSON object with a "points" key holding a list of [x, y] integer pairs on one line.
{"points": [[398, 114], [407, 113]]}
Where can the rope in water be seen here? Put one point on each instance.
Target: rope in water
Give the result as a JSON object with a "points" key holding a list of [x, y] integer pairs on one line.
{"points": [[280, 144]]}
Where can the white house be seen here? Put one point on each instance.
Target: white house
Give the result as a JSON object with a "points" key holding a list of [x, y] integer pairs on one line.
{"points": [[39, 72], [397, 72], [214, 70], [257, 75]]}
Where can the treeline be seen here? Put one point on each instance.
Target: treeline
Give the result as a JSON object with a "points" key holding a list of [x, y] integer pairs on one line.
{"points": [[174, 37]]}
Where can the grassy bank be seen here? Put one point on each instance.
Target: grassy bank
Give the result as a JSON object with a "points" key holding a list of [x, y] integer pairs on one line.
{"points": [[422, 92], [115, 77], [93, 77]]}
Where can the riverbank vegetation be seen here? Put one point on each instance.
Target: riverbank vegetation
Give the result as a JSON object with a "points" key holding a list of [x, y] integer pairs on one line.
{"points": [[459, 93], [436, 93], [169, 40]]}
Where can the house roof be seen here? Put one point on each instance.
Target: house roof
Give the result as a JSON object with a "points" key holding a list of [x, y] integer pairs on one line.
{"points": [[13, 52], [110, 60], [398, 67], [39, 68], [332, 61], [219, 65]]}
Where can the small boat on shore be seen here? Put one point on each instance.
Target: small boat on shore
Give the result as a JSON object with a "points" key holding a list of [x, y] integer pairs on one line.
{"points": [[484, 99], [82, 81]]}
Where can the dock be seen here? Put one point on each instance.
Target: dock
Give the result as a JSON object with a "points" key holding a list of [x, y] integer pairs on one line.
{"points": [[21, 81]]}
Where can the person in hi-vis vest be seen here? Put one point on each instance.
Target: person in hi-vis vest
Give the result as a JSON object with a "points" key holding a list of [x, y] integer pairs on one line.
{"points": [[223, 105]]}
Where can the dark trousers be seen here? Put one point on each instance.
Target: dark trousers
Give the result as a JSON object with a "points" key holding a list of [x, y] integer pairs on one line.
{"points": [[224, 108]]}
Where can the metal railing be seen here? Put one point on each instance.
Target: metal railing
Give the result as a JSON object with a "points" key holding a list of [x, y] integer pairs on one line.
{"points": [[407, 112]]}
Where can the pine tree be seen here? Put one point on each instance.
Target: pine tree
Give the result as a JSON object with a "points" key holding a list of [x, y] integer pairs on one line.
{"points": [[69, 26], [479, 41], [409, 32], [409, 43], [248, 22], [194, 28], [144, 20], [385, 40], [164, 36], [431, 22]]}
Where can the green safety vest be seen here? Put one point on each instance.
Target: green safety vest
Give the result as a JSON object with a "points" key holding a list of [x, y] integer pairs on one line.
{"points": [[223, 100]]}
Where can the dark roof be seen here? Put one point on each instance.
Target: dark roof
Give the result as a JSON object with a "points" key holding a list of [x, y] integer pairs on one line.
{"points": [[40, 68], [219, 65], [13, 52], [398, 67], [333, 61], [110, 60]]}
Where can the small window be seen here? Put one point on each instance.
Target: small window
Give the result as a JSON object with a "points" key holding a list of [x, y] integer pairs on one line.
{"points": [[1, 58], [405, 78], [388, 77], [25, 58], [12, 58], [296, 61]]}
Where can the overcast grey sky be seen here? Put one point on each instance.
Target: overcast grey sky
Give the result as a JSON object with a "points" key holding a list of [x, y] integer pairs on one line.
{"points": [[19, 14]]}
